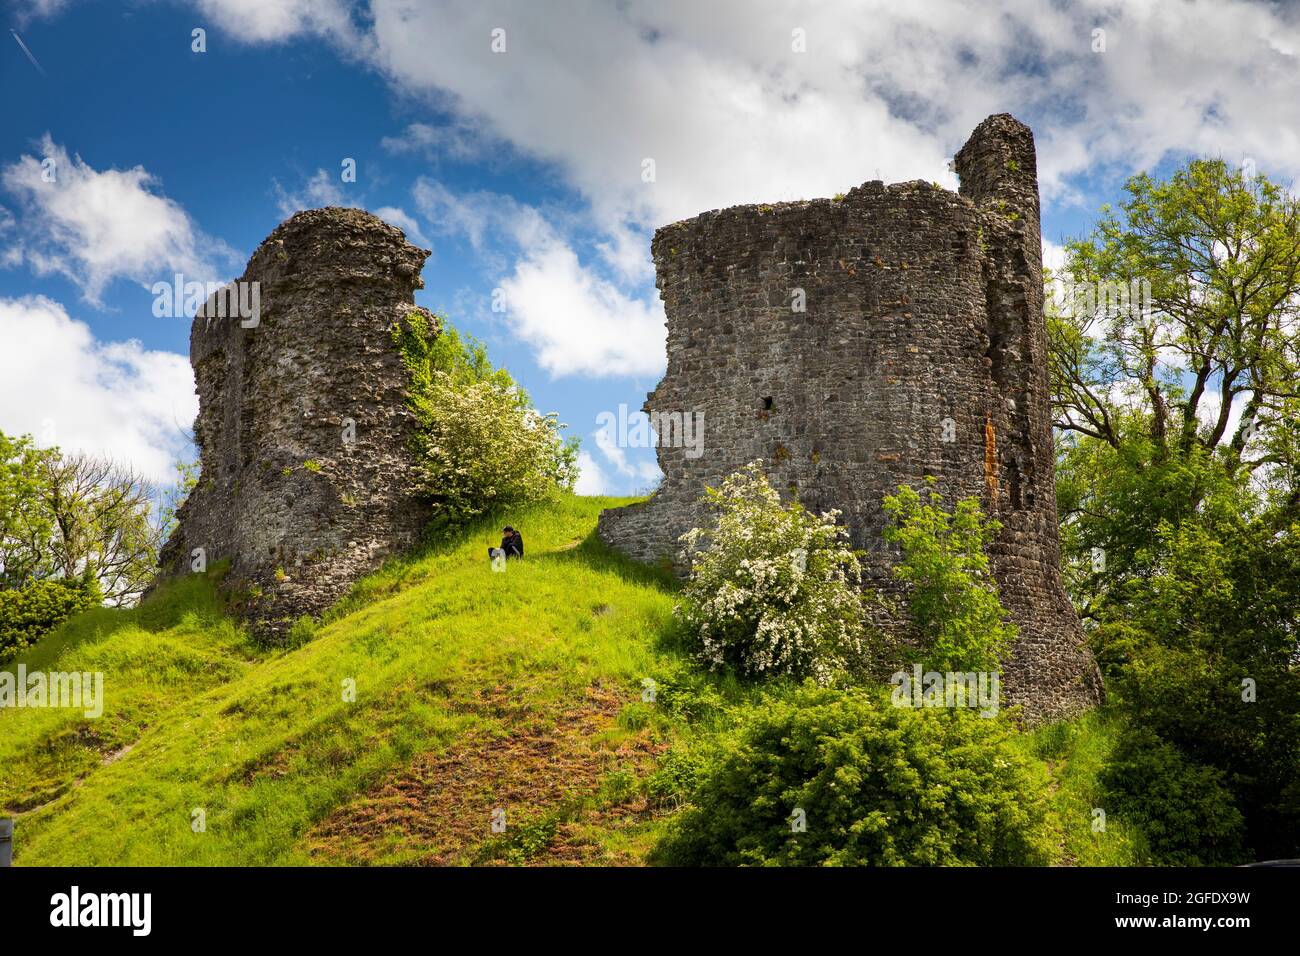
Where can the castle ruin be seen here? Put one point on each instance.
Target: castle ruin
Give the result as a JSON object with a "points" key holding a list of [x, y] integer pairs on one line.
{"points": [[307, 481], [920, 350], [853, 344]]}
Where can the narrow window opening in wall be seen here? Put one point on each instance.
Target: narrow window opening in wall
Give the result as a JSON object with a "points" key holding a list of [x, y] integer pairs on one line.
{"points": [[767, 404]]}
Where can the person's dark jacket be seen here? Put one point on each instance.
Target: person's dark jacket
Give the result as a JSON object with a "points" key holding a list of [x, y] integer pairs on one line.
{"points": [[512, 544]]}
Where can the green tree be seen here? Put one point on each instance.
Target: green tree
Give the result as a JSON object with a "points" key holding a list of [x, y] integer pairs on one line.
{"points": [[74, 517], [1145, 390], [1184, 809], [1200, 649], [100, 512], [1178, 457], [1220, 253], [952, 597], [25, 525]]}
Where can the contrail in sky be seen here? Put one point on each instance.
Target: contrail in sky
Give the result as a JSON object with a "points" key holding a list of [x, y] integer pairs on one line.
{"points": [[28, 52]]}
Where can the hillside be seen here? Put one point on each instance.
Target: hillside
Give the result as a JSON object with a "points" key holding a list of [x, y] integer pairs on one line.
{"points": [[474, 692]]}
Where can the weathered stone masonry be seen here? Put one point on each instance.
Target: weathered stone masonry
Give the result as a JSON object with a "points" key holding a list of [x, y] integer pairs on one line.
{"points": [[923, 321], [300, 501]]}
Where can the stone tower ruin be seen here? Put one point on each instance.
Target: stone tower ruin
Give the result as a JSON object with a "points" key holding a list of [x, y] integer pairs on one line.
{"points": [[307, 481], [921, 351]]}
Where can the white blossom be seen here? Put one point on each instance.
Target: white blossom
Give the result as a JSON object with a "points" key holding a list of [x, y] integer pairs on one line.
{"points": [[773, 589]]}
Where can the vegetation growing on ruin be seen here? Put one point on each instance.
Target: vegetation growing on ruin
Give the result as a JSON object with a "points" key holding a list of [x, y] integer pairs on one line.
{"points": [[774, 589], [952, 597], [777, 592], [480, 443]]}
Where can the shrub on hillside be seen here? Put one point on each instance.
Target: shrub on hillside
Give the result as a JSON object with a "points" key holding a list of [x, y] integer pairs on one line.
{"points": [[773, 589], [952, 598], [479, 441], [1184, 809], [844, 778], [1202, 647], [28, 613]]}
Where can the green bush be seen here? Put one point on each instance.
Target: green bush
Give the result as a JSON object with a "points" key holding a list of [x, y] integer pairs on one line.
{"points": [[1184, 809], [676, 778], [1201, 646], [1054, 741], [29, 613], [479, 441], [773, 590], [952, 597], [878, 785]]}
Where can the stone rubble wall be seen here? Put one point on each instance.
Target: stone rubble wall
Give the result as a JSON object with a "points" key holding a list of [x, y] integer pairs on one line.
{"points": [[924, 319], [297, 500]]}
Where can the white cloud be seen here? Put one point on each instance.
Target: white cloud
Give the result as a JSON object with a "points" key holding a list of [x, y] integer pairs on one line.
{"points": [[117, 399], [592, 479], [628, 253], [395, 216], [26, 11], [251, 21], [321, 189], [718, 97], [269, 21], [12, 254], [462, 140], [636, 475], [728, 112], [578, 321], [481, 217], [1207, 411], [1053, 257], [716, 94], [641, 471], [94, 227]]}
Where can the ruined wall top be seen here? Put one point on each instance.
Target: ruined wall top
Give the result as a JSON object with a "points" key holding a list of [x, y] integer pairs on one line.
{"points": [[343, 245], [998, 162]]}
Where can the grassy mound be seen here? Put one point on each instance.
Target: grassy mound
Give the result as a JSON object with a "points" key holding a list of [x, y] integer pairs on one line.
{"points": [[437, 699]]}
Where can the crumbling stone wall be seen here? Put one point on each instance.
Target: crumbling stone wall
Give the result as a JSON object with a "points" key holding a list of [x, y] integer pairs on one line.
{"points": [[922, 351], [307, 481]]}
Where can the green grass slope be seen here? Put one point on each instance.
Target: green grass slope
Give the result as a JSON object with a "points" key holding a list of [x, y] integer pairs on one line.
{"points": [[264, 744], [439, 698]]}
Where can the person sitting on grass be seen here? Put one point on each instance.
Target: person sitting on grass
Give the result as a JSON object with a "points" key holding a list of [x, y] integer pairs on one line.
{"points": [[512, 543]]}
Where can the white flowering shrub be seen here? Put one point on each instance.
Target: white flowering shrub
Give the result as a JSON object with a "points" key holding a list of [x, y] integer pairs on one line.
{"points": [[484, 447], [773, 589], [480, 443]]}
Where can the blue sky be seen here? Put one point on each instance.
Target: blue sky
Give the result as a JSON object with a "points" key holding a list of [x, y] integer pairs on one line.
{"points": [[521, 168]]}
